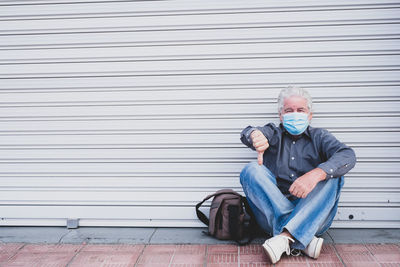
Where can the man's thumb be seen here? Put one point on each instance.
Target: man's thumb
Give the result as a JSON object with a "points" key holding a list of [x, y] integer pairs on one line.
{"points": [[260, 158]]}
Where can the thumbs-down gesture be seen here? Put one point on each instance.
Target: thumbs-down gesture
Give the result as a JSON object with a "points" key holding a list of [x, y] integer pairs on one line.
{"points": [[260, 143]]}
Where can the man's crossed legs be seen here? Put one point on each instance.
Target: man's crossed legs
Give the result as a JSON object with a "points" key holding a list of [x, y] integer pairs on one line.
{"points": [[302, 219]]}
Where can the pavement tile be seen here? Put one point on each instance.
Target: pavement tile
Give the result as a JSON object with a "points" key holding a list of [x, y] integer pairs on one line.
{"points": [[328, 249], [385, 252], [328, 255], [222, 255], [251, 249], [362, 264], [113, 248], [187, 265], [215, 249], [192, 249], [182, 257], [222, 264], [222, 258], [388, 257], [160, 257], [102, 258], [291, 264], [325, 264], [152, 264], [351, 248], [255, 264], [253, 254], [8, 250], [325, 258], [42, 259], [383, 248], [292, 259], [357, 257], [51, 248], [254, 258], [159, 248]]}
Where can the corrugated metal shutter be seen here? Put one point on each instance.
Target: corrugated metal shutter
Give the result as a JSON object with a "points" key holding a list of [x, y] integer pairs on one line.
{"points": [[127, 113]]}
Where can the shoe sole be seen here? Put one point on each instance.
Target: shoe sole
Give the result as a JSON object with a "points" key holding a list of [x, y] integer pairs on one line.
{"points": [[270, 253], [318, 248]]}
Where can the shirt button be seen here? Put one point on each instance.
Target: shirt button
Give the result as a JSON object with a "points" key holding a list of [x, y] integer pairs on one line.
{"points": [[292, 158], [331, 170], [292, 175], [331, 176], [294, 142]]}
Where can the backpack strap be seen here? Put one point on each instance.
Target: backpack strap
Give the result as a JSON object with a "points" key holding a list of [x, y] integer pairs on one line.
{"points": [[234, 222], [202, 217], [251, 228]]}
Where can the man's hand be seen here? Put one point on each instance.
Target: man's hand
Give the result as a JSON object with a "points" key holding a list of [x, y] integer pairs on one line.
{"points": [[303, 185], [260, 143]]}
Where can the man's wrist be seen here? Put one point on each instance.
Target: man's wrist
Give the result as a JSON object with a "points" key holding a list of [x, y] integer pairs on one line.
{"points": [[321, 174]]}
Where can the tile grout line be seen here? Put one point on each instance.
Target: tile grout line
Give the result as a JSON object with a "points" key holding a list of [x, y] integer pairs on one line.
{"points": [[206, 257], [373, 256], [338, 254], [334, 247], [76, 254], [16, 252], [173, 256], [140, 255]]}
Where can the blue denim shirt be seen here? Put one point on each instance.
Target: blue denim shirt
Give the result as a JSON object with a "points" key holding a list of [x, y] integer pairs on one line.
{"points": [[289, 157]]}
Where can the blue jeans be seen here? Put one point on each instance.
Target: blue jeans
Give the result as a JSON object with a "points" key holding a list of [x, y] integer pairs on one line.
{"points": [[304, 218]]}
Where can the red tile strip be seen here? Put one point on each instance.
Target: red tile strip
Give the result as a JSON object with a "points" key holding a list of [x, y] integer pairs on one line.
{"points": [[352, 255]]}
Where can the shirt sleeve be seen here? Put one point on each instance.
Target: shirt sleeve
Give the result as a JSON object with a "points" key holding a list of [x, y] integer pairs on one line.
{"points": [[340, 158], [267, 130], [245, 136]]}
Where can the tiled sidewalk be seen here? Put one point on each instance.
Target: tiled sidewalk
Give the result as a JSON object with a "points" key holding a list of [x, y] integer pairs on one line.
{"points": [[88, 255]]}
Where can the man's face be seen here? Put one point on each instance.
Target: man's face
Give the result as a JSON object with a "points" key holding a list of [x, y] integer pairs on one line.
{"points": [[295, 104]]}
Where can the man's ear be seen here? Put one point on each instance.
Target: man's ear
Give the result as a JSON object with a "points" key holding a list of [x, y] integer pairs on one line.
{"points": [[310, 116]]}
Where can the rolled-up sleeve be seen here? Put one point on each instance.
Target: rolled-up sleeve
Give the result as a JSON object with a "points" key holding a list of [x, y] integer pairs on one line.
{"points": [[267, 130], [245, 136], [340, 159]]}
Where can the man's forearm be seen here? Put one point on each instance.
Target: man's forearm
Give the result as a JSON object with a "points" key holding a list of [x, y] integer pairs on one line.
{"points": [[339, 164], [303, 185], [319, 173]]}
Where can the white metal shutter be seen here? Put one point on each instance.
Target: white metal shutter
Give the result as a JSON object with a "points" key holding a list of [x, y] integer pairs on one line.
{"points": [[128, 113]]}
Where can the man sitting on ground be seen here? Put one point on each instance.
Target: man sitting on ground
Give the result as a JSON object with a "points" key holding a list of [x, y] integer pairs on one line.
{"points": [[294, 188]]}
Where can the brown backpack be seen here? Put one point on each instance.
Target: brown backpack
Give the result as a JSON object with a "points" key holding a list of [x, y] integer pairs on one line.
{"points": [[228, 216]]}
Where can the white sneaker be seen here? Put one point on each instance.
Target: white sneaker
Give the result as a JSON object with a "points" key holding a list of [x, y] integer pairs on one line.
{"points": [[275, 246], [314, 248]]}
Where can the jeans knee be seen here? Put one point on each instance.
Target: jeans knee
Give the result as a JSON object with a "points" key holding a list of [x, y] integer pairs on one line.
{"points": [[248, 171]]}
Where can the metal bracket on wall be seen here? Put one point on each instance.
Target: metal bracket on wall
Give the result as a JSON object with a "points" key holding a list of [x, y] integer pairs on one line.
{"points": [[72, 223]]}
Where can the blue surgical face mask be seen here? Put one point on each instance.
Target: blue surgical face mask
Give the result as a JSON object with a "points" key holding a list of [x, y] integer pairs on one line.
{"points": [[295, 122]]}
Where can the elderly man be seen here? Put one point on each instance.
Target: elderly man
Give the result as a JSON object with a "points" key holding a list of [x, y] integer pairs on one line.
{"points": [[294, 188]]}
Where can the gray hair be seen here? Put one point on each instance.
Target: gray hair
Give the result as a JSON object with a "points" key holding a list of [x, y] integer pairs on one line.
{"points": [[293, 91]]}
